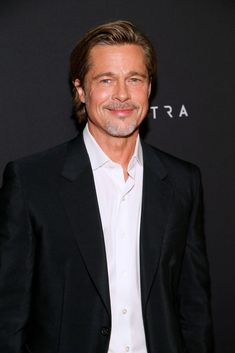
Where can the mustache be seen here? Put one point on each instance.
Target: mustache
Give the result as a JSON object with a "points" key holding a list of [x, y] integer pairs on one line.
{"points": [[119, 105]]}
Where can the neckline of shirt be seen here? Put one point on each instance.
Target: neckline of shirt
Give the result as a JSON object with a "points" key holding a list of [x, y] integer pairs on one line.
{"points": [[98, 158]]}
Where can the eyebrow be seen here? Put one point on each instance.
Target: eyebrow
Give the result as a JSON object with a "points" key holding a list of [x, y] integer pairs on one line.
{"points": [[112, 74], [109, 73], [136, 73]]}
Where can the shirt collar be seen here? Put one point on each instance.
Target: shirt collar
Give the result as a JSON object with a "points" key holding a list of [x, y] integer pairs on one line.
{"points": [[97, 156]]}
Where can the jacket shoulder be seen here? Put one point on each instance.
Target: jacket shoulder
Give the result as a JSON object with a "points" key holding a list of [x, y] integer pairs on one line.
{"points": [[39, 165], [171, 161], [181, 174]]}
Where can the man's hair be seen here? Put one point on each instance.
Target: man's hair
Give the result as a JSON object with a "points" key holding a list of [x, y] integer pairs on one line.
{"points": [[112, 33]]}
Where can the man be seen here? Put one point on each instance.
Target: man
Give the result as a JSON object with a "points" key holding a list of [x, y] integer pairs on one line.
{"points": [[102, 247]]}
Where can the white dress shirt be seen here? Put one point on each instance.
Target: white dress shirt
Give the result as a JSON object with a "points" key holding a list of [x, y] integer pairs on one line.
{"points": [[120, 210]]}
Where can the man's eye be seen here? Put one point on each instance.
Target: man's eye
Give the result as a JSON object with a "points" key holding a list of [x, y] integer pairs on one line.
{"points": [[105, 81], [135, 80]]}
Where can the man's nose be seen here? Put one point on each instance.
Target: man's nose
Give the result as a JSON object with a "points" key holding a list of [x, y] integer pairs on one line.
{"points": [[121, 91]]}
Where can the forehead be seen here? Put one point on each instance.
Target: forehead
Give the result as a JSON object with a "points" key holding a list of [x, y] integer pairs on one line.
{"points": [[115, 56]]}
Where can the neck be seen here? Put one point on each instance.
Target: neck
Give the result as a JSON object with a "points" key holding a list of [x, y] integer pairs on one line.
{"points": [[118, 149]]}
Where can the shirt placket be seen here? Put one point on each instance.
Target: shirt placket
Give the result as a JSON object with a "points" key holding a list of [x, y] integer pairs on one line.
{"points": [[123, 243]]}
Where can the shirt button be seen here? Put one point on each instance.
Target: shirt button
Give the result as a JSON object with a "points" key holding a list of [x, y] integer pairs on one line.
{"points": [[127, 348], [123, 198], [124, 311], [105, 331]]}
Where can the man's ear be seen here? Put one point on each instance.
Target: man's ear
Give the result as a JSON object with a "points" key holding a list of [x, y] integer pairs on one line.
{"points": [[80, 90]]}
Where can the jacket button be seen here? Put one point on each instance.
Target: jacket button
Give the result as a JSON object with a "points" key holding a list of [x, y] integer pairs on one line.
{"points": [[105, 331]]}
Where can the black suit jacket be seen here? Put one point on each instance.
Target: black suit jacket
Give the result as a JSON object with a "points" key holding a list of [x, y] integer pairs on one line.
{"points": [[54, 292]]}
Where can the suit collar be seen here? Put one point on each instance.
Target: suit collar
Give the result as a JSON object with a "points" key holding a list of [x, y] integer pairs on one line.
{"points": [[152, 161], [77, 159]]}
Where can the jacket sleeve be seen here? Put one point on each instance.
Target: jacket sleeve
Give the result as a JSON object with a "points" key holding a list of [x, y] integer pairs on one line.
{"points": [[16, 262], [194, 286]]}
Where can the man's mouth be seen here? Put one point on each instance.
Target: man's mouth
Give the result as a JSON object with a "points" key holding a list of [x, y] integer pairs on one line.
{"points": [[121, 109]]}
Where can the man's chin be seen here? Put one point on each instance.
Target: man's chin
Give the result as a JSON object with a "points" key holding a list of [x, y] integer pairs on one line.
{"points": [[121, 131]]}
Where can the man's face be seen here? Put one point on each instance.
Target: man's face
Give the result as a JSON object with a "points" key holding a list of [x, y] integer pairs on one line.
{"points": [[116, 89]]}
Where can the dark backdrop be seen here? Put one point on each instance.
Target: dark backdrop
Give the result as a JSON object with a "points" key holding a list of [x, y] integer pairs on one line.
{"points": [[191, 115]]}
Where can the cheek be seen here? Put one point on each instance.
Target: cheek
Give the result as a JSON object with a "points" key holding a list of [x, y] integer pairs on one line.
{"points": [[98, 96], [140, 94], [141, 101]]}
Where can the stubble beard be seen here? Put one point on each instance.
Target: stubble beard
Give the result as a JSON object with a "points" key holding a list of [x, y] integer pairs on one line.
{"points": [[116, 130], [117, 127]]}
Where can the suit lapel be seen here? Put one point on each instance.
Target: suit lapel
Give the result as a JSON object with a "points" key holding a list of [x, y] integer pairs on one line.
{"points": [[157, 196], [79, 196]]}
